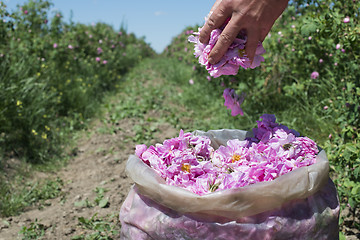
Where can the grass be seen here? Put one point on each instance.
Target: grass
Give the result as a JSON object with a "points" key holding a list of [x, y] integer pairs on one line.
{"points": [[162, 85], [99, 228], [20, 194]]}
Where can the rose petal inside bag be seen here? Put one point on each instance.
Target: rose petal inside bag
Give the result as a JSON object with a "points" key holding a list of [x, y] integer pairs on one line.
{"points": [[315, 217]]}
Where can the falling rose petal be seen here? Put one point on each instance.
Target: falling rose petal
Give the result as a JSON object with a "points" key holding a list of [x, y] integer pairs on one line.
{"points": [[233, 101]]}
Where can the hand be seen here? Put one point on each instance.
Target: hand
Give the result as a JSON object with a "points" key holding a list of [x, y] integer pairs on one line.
{"points": [[256, 17]]}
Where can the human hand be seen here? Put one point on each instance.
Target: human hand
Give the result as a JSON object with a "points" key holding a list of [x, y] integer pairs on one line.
{"points": [[256, 17]]}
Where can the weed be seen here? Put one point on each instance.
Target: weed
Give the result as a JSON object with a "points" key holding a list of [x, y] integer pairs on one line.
{"points": [[36, 230], [101, 229], [15, 199]]}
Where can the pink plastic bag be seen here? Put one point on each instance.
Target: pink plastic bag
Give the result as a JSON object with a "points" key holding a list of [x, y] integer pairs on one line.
{"points": [[302, 204]]}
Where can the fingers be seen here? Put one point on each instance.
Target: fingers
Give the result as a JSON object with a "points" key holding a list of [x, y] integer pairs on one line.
{"points": [[216, 4], [221, 13], [253, 38], [224, 41]]}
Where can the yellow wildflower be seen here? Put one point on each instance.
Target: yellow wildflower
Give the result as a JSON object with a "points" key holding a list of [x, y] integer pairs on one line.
{"points": [[44, 135], [34, 132]]}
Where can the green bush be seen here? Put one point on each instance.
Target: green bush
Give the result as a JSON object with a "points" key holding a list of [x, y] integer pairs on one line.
{"points": [[53, 74], [310, 36]]}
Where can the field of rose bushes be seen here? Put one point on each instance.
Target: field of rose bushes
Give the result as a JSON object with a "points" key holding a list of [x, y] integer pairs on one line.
{"points": [[54, 76]]}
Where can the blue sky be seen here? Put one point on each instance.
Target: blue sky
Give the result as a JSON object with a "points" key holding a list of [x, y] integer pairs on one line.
{"points": [[157, 20]]}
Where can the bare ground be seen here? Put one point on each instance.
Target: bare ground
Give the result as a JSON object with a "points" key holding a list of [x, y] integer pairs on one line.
{"points": [[99, 162]]}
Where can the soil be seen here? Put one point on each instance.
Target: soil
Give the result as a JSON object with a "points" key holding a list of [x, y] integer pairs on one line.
{"points": [[99, 162]]}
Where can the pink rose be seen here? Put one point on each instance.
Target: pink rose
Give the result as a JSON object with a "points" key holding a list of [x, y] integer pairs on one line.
{"points": [[314, 75]]}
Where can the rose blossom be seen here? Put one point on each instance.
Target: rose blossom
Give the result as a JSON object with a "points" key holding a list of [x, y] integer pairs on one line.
{"points": [[314, 75], [346, 20]]}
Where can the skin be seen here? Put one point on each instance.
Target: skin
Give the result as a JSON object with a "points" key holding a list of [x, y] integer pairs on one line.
{"points": [[256, 17]]}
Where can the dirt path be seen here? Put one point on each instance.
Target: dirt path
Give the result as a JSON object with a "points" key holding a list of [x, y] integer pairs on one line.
{"points": [[99, 164]]}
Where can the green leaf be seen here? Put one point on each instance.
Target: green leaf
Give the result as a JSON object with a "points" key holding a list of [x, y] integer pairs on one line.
{"points": [[77, 237], [341, 236], [308, 28], [80, 204], [6, 223], [352, 148], [355, 190], [104, 203], [352, 202]]}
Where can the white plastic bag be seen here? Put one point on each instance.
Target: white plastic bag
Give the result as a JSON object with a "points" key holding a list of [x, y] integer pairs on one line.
{"points": [[302, 204]]}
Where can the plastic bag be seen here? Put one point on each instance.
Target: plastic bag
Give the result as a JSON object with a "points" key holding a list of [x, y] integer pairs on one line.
{"points": [[300, 204]]}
